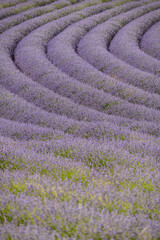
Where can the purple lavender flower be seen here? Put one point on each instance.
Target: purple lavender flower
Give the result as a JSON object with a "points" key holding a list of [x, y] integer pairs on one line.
{"points": [[79, 137]]}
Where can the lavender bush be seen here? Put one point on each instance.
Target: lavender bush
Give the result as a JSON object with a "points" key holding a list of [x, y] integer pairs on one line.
{"points": [[146, 43], [25, 14], [76, 67], [79, 120], [130, 35], [118, 107], [106, 62]]}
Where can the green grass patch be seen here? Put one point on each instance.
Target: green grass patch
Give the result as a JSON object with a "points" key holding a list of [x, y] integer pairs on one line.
{"points": [[65, 153], [143, 184]]}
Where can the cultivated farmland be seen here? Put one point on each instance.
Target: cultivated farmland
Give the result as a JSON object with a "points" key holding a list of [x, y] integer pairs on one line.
{"points": [[79, 119]]}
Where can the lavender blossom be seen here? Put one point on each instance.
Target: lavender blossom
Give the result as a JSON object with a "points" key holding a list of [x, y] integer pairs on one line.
{"points": [[79, 149], [131, 35], [149, 42]]}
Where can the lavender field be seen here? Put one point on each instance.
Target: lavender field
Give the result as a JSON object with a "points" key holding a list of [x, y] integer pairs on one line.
{"points": [[79, 119]]}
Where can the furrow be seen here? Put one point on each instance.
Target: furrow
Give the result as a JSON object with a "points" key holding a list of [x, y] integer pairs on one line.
{"points": [[9, 3], [149, 42], [22, 7], [104, 61], [35, 93], [24, 86], [17, 109], [46, 74], [23, 16], [78, 68], [130, 37]]}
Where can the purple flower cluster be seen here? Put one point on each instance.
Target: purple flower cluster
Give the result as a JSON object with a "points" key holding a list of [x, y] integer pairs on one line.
{"points": [[130, 36], [76, 67], [26, 12], [149, 42], [105, 61], [79, 119], [113, 197]]}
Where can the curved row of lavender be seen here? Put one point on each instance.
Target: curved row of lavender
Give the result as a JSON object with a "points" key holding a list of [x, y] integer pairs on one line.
{"points": [[79, 119], [148, 44], [130, 35]]}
